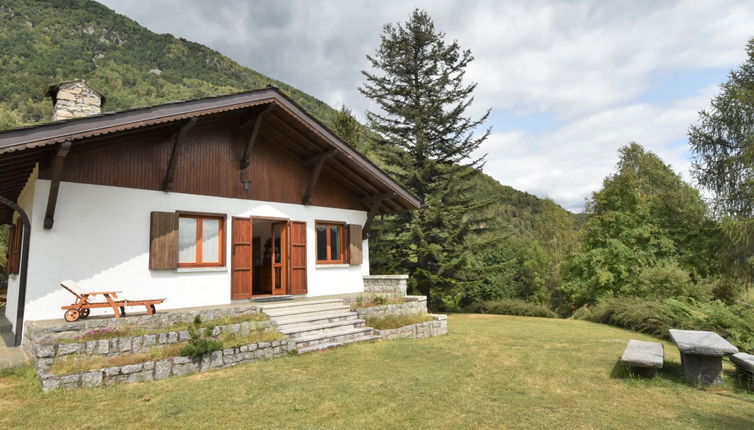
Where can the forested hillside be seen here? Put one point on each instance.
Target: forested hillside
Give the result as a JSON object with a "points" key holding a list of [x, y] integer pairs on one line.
{"points": [[48, 41]]}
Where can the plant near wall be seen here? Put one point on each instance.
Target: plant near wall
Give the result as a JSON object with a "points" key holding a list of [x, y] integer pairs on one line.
{"points": [[201, 341]]}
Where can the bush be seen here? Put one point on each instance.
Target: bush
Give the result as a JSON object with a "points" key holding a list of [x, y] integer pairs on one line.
{"points": [[656, 317], [201, 342], [511, 307]]}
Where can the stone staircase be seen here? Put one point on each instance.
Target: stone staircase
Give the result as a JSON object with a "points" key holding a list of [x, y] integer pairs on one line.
{"points": [[318, 324]]}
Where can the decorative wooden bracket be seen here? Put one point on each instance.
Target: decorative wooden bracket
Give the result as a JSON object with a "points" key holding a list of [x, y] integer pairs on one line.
{"points": [[374, 203], [318, 162], [57, 171], [246, 158], [167, 185]]}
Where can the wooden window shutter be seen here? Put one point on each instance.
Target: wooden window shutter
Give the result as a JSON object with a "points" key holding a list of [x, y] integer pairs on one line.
{"points": [[355, 256], [15, 248], [163, 241]]}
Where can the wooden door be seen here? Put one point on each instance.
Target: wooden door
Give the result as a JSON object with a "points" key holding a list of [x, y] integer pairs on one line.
{"points": [[279, 258], [298, 257], [241, 261]]}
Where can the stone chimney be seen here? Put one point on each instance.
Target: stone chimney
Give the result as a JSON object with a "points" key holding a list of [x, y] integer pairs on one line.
{"points": [[74, 99]]}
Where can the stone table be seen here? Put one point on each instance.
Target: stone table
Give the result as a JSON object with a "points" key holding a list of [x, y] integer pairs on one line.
{"points": [[702, 355]]}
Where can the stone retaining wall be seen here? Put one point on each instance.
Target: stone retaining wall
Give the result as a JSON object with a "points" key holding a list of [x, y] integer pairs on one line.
{"points": [[386, 285], [413, 305], [163, 368], [38, 332], [438, 327], [45, 354]]}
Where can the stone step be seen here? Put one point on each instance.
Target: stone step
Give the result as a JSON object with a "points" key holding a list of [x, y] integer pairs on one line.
{"points": [[300, 310], [288, 316], [323, 346], [300, 303], [313, 329], [337, 337], [315, 320]]}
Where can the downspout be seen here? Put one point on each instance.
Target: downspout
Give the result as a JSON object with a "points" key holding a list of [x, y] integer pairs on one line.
{"points": [[24, 268]]}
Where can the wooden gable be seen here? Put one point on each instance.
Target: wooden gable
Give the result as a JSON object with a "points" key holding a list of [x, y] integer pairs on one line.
{"points": [[207, 163]]}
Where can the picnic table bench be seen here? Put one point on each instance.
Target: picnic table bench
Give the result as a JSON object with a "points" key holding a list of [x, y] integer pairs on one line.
{"points": [[643, 358], [744, 368], [81, 308], [702, 355]]}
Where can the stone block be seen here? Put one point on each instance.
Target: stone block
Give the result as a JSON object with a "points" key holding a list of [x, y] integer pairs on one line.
{"points": [[70, 381], [172, 337], [150, 340], [91, 347], [68, 348], [91, 379], [131, 368], [162, 338], [50, 383], [185, 369], [163, 369], [124, 344], [183, 335], [148, 365], [43, 351], [136, 344], [111, 371], [216, 359], [182, 360]]}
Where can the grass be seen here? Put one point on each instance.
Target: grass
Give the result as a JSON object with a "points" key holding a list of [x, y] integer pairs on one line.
{"points": [[107, 333], [396, 321], [491, 371]]}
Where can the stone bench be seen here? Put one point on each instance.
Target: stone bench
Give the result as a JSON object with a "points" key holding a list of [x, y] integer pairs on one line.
{"points": [[643, 358], [745, 368], [702, 355]]}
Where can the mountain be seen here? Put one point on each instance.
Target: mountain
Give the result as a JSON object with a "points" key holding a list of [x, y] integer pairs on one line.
{"points": [[48, 41]]}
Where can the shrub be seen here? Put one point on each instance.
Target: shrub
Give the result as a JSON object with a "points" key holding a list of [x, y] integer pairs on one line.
{"points": [[511, 307], [201, 341], [656, 317]]}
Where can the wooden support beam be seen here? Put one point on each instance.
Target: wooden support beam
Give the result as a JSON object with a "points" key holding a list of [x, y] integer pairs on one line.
{"points": [[57, 171], [318, 162], [167, 185], [370, 217], [246, 157], [378, 198]]}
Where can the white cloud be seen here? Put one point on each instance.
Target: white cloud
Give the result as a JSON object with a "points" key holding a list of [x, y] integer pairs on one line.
{"points": [[585, 63]]}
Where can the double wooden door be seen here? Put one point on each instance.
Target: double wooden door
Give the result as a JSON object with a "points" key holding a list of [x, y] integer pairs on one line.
{"points": [[287, 258]]}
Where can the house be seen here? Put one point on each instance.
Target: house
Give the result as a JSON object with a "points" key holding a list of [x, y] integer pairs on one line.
{"points": [[203, 202]]}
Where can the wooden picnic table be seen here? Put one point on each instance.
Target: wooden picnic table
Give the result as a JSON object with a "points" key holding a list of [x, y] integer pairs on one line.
{"points": [[702, 355]]}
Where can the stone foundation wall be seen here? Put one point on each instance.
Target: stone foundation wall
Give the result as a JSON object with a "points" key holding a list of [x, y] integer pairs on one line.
{"points": [[386, 285], [413, 305], [164, 368], [438, 327]]}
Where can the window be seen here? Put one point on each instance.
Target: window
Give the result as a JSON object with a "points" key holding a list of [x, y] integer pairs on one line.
{"points": [[200, 241], [330, 243]]}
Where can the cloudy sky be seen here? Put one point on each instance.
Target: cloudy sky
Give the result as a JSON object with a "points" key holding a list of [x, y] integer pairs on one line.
{"points": [[568, 82]]}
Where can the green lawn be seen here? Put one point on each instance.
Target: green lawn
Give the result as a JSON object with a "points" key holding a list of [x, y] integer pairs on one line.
{"points": [[490, 372]]}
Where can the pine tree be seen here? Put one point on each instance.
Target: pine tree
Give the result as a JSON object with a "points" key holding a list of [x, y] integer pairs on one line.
{"points": [[347, 127], [429, 142]]}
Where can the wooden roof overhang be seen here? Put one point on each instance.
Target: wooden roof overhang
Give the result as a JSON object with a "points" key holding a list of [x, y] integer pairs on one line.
{"points": [[288, 125]]}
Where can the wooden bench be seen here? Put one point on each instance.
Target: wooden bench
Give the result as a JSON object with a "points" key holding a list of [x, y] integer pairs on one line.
{"points": [[744, 369], [643, 358], [81, 307]]}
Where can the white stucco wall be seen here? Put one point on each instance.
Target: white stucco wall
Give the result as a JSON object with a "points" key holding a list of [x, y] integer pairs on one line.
{"points": [[100, 239]]}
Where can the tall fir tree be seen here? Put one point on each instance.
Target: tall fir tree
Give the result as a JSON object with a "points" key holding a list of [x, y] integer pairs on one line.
{"points": [[429, 143]]}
